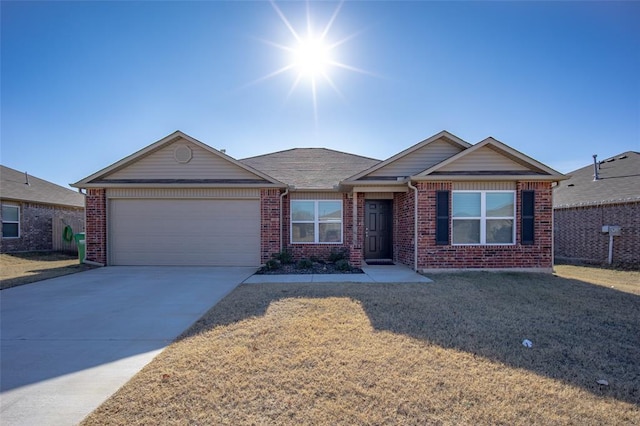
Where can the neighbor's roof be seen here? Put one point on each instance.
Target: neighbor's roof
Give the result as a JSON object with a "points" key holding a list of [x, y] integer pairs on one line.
{"points": [[310, 168], [13, 186], [619, 182]]}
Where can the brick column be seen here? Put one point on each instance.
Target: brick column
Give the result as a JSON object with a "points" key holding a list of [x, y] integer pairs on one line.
{"points": [[269, 223], [96, 226]]}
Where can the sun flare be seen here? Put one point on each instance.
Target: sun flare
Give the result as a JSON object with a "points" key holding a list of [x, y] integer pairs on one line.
{"points": [[310, 57]]}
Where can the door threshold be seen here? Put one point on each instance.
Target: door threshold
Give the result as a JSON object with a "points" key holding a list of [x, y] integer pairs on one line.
{"points": [[379, 262]]}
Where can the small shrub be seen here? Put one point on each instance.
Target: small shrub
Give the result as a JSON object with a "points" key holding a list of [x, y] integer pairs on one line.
{"points": [[338, 254], [285, 257], [305, 264], [314, 259], [272, 264], [342, 265]]}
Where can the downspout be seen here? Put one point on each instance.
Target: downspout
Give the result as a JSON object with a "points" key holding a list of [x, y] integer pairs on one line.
{"points": [[286, 192], [415, 225]]}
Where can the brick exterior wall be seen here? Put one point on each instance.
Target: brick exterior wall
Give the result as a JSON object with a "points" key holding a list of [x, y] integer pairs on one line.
{"points": [[96, 237], [270, 223], [36, 226], [322, 251], [403, 227], [432, 256], [579, 238], [356, 246]]}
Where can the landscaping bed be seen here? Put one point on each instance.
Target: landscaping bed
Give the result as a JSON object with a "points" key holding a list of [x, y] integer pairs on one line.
{"points": [[283, 263], [314, 268]]}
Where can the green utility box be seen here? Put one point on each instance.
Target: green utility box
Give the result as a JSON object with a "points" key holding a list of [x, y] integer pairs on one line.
{"points": [[81, 243]]}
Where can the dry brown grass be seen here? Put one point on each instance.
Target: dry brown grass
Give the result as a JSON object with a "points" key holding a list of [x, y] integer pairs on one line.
{"points": [[24, 268], [445, 353], [628, 281]]}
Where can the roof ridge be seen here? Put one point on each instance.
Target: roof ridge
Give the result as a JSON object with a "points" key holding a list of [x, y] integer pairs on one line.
{"points": [[308, 148]]}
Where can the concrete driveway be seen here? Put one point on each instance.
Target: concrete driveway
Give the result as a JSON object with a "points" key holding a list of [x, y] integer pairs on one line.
{"points": [[70, 342]]}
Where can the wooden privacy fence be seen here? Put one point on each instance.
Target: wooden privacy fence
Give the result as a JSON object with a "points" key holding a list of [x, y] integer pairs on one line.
{"points": [[59, 225]]}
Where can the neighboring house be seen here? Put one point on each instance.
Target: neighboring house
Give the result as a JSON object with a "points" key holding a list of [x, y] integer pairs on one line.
{"points": [[583, 205], [441, 204], [33, 210]]}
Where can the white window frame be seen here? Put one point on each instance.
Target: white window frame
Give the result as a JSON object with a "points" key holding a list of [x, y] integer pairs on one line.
{"points": [[316, 222], [483, 218], [17, 207]]}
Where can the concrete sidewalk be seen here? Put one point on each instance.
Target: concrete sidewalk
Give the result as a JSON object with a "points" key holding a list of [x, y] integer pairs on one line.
{"points": [[70, 342], [372, 274]]}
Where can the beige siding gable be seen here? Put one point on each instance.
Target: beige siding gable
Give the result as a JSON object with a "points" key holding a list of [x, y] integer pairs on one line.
{"points": [[181, 159], [484, 186], [486, 159], [418, 160]]}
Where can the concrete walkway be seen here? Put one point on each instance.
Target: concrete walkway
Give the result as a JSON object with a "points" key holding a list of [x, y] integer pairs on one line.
{"points": [[70, 342], [372, 274]]}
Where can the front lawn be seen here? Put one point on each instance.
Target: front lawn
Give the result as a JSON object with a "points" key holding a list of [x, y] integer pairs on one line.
{"points": [[448, 352], [25, 268]]}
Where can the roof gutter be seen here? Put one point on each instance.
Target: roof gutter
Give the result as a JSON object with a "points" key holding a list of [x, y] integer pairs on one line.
{"points": [[475, 178], [81, 185], [415, 225]]}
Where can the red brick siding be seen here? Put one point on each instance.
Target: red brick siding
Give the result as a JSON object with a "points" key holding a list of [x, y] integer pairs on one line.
{"points": [[322, 251], [538, 255], [356, 246], [403, 227], [96, 226], [579, 238], [270, 221]]}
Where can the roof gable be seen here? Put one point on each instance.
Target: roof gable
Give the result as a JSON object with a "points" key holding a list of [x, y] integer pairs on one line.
{"points": [[619, 182], [14, 186], [177, 159], [310, 168], [491, 158], [415, 159]]}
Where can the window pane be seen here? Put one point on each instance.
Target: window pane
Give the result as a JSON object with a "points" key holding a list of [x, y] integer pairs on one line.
{"points": [[500, 231], [466, 204], [500, 204], [302, 233], [330, 232], [330, 210], [466, 231], [302, 210], [9, 230], [10, 213]]}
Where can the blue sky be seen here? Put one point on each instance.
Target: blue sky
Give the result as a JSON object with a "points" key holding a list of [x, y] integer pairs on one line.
{"points": [[84, 84]]}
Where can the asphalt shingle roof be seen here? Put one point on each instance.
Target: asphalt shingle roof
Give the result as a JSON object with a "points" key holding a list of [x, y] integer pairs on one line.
{"points": [[13, 186], [619, 181], [310, 168]]}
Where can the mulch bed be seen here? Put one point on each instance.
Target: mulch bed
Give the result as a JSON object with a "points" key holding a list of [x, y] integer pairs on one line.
{"points": [[316, 268]]}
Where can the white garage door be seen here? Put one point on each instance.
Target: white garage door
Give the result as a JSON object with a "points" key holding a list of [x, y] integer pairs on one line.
{"points": [[184, 232]]}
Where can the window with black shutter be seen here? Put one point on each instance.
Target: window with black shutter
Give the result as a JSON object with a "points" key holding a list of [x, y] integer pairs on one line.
{"points": [[442, 217], [527, 228]]}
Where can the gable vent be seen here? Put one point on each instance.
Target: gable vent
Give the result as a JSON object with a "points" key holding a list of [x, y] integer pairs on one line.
{"points": [[182, 154]]}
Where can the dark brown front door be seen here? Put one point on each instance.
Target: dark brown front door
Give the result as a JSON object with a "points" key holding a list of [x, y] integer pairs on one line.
{"points": [[377, 222]]}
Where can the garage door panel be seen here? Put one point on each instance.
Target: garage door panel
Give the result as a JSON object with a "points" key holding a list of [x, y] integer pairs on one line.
{"points": [[184, 232]]}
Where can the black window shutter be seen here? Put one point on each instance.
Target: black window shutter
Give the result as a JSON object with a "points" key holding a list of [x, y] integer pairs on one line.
{"points": [[442, 217], [527, 228]]}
